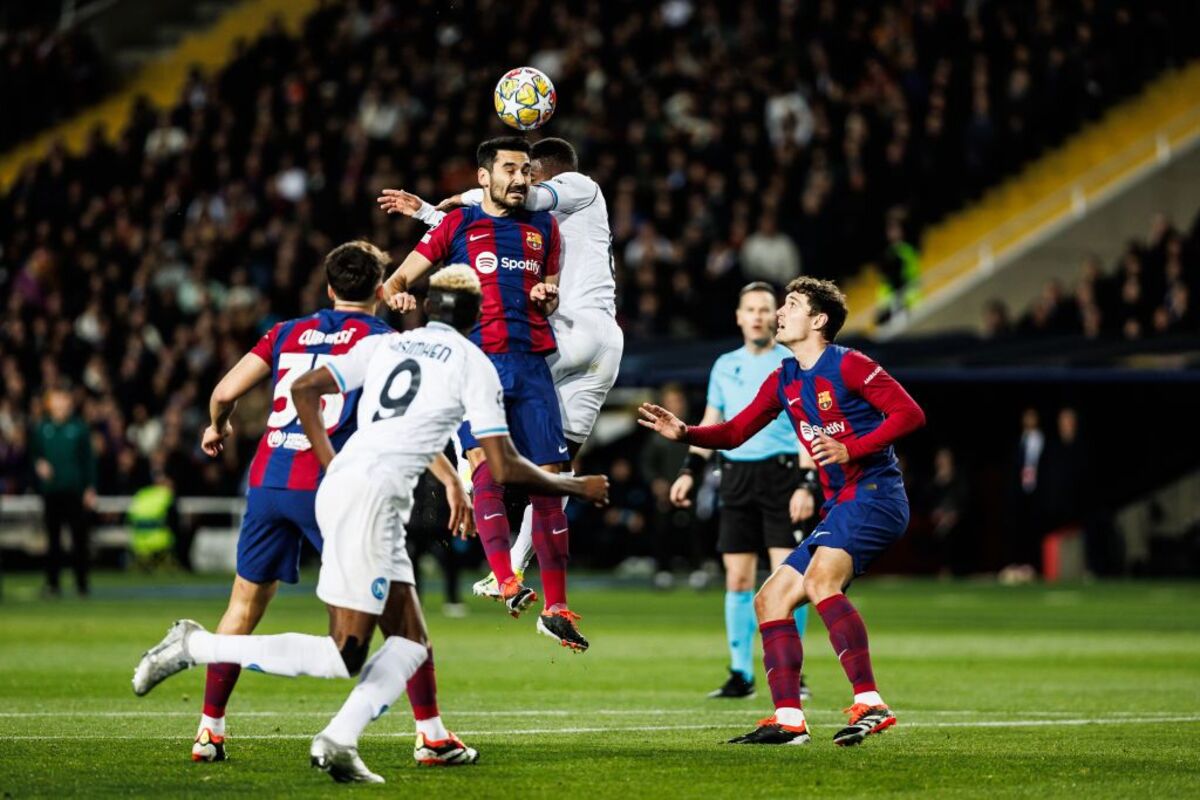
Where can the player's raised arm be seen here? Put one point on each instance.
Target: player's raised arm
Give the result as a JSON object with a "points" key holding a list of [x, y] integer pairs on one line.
{"points": [[398, 201], [245, 375], [726, 435], [306, 397], [395, 288], [341, 374], [433, 247], [901, 413]]}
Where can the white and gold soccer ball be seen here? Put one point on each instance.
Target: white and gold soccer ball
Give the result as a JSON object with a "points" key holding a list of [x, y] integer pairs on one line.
{"points": [[525, 98]]}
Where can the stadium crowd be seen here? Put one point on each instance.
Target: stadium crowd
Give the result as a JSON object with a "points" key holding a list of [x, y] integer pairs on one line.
{"points": [[1151, 291], [732, 142]]}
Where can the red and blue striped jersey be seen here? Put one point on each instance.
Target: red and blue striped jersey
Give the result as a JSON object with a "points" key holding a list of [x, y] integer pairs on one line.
{"points": [[284, 459], [845, 395], [510, 255]]}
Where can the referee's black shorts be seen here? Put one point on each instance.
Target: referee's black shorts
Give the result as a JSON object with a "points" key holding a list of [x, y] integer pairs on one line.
{"points": [[754, 504]]}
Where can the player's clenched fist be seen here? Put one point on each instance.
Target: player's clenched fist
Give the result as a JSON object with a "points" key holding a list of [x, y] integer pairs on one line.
{"points": [[545, 297], [827, 450], [680, 494], [595, 489], [213, 441], [402, 302], [658, 419]]}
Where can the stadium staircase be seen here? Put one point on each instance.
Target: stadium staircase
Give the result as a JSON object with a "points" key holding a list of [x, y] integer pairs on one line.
{"points": [[1131, 144], [162, 78]]}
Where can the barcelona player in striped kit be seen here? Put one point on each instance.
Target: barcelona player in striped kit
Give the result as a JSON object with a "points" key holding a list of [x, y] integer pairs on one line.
{"points": [[516, 253], [280, 503], [847, 411]]}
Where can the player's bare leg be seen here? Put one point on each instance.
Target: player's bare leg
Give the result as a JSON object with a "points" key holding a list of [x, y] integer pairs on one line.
{"points": [[777, 555], [491, 521], [247, 603], [828, 574], [435, 745]]}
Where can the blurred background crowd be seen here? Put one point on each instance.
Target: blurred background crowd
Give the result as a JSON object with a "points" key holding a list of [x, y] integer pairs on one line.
{"points": [[734, 142]]}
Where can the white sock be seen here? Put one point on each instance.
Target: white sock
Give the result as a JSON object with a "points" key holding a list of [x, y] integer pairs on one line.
{"points": [[287, 654], [522, 549], [792, 717], [433, 729], [870, 698], [214, 724], [382, 681]]}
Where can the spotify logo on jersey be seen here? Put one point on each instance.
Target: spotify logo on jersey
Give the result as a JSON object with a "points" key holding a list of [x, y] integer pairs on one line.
{"points": [[485, 262]]}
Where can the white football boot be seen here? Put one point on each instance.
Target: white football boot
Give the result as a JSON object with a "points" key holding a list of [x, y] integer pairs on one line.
{"points": [[166, 658], [340, 762]]}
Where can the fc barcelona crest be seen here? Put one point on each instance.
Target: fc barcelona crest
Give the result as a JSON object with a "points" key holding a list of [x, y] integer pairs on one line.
{"points": [[533, 240], [824, 400]]}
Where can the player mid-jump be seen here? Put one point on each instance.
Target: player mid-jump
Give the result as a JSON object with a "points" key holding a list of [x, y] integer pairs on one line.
{"points": [[847, 411], [589, 340], [515, 252]]}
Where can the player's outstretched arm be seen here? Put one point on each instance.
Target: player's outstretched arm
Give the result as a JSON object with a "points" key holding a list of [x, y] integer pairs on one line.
{"points": [[306, 397], [247, 373], [724, 436], [462, 521], [511, 469], [398, 201]]}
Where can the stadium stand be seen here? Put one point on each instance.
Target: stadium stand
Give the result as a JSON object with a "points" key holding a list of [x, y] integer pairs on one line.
{"points": [[1150, 292]]}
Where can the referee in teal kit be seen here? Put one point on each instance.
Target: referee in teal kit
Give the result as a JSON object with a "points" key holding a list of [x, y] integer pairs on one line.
{"points": [[768, 485]]}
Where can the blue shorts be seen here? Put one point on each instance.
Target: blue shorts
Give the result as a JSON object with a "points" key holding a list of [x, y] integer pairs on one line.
{"points": [[864, 527], [531, 405], [276, 523]]}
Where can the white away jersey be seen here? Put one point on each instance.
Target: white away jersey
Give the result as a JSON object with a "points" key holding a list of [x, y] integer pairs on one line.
{"points": [[417, 387], [586, 277]]}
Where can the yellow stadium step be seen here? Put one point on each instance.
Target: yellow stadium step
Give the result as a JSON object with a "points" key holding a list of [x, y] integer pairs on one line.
{"points": [[1128, 139], [162, 79]]}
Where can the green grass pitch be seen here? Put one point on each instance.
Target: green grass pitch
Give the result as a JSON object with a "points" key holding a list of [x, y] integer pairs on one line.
{"points": [[1081, 691]]}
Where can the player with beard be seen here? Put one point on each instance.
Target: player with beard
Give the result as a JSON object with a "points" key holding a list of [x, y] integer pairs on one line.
{"points": [[589, 340], [515, 252]]}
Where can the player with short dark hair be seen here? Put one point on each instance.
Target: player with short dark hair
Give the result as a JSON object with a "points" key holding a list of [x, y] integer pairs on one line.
{"points": [[556, 156], [767, 484], [516, 253], [847, 411], [285, 473], [416, 387], [489, 149]]}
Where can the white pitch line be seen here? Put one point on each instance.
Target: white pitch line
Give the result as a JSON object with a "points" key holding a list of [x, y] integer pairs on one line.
{"points": [[554, 712], [1011, 723]]}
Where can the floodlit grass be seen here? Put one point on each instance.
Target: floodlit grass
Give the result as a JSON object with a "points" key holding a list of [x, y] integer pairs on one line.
{"points": [[1001, 692]]}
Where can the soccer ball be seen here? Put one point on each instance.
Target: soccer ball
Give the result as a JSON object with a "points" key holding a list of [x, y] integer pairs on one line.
{"points": [[525, 98]]}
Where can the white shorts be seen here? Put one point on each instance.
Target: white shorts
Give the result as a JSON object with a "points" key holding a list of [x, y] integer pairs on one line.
{"points": [[585, 367], [362, 518]]}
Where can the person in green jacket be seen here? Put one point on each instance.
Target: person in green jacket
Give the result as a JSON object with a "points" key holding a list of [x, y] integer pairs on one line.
{"points": [[65, 466]]}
